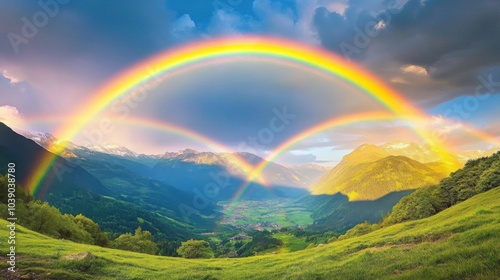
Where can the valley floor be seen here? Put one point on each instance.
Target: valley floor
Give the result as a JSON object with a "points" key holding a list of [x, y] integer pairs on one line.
{"points": [[265, 214], [461, 242]]}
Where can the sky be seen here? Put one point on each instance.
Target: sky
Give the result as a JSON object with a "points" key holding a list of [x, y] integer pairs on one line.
{"points": [[442, 56]]}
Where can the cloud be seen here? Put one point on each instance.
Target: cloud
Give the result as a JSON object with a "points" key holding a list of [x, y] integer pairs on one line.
{"points": [[288, 19], [80, 47], [9, 76], [298, 158], [184, 28], [10, 116], [415, 70], [452, 47]]}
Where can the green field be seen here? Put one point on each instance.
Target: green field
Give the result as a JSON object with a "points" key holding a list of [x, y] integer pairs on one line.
{"points": [[266, 214], [291, 243], [461, 242]]}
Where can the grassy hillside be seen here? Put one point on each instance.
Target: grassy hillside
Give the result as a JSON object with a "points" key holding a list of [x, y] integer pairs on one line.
{"points": [[370, 172], [370, 181], [459, 243]]}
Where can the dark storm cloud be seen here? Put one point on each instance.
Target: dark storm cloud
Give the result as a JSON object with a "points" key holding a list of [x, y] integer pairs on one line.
{"points": [[453, 40], [99, 27], [89, 39]]}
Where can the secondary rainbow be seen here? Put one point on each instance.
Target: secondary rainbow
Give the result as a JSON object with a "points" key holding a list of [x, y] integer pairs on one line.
{"points": [[158, 125], [220, 49]]}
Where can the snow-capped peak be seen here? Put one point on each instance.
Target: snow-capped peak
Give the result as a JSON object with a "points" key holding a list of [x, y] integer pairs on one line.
{"points": [[113, 149]]}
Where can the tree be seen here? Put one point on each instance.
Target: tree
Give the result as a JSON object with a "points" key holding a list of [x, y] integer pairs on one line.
{"points": [[100, 238], [490, 178], [195, 249], [141, 241]]}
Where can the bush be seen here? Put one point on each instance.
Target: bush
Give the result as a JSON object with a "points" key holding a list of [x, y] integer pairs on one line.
{"points": [[359, 230], [195, 249], [141, 242]]}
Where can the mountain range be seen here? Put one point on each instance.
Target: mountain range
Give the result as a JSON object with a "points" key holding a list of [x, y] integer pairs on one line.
{"points": [[160, 165]]}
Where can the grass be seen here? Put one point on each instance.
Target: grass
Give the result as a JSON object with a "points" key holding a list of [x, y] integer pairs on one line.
{"points": [[291, 243], [461, 242]]}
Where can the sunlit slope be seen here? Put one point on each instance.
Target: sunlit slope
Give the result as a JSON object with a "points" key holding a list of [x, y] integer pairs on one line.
{"points": [[372, 180], [458, 243]]}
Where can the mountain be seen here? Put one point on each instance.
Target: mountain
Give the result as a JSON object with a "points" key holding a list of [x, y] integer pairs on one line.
{"points": [[338, 213], [277, 174], [414, 151], [311, 172], [193, 171], [114, 150], [61, 178], [190, 168], [68, 149], [370, 172], [474, 154]]}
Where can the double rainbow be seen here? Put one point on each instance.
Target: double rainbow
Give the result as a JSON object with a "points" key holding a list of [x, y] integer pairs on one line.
{"points": [[209, 52]]}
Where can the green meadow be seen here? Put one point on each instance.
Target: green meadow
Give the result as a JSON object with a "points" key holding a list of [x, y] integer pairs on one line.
{"points": [[461, 242]]}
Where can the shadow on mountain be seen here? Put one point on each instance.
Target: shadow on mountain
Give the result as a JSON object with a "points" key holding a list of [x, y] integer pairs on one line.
{"points": [[337, 213], [214, 183], [61, 178]]}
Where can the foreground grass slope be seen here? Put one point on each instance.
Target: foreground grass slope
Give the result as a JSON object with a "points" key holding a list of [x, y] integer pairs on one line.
{"points": [[458, 243]]}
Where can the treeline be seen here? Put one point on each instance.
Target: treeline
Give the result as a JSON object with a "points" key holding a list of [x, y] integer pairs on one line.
{"points": [[477, 176], [48, 220], [261, 241]]}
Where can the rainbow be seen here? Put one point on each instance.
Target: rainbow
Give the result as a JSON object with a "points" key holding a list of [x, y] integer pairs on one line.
{"points": [[199, 53]]}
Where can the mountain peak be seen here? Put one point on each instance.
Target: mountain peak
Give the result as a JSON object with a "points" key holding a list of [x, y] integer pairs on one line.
{"points": [[365, 147], [189, 152], [371, 171]]}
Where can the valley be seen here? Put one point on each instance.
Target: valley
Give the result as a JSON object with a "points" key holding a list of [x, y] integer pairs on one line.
{"points": [[269, 215]]}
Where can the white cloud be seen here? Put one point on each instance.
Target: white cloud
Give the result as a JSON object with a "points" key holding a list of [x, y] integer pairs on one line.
{"points": [[415, 70], [338, 6], [227, 23], [399, 80], [444, 126], [10, 76], [271, 19], [10, 116], [184, 23]]}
